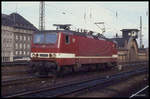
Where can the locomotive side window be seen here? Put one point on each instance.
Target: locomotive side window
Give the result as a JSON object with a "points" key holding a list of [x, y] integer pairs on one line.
{"points": [[67, 39]]}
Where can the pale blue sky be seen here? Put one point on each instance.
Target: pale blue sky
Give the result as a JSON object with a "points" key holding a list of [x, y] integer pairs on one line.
{"points": [[128, 15]]}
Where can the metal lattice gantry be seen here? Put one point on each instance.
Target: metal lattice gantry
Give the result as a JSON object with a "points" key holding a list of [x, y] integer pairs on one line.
{"points": [[42, 15], [140, 31]]}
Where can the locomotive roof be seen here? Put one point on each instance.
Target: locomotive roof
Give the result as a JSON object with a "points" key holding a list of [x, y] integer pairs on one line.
{"points": [[129, 30], [63, 31], [75, 33]]}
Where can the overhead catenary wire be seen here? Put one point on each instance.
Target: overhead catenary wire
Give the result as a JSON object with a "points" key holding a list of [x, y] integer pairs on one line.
{"points": [[67, 12], [86, 21], [115, 13]]}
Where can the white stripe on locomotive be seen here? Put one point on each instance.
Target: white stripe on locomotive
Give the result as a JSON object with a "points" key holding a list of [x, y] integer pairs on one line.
{"points": [[70, 55]]}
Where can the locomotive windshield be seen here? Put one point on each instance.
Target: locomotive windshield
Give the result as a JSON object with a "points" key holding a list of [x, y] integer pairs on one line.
{"points": [[38, 38], [45, 38]]}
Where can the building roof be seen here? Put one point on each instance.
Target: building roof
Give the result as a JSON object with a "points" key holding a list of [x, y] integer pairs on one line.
{"points": [[17, 21], [129, 30], [6, 20]]}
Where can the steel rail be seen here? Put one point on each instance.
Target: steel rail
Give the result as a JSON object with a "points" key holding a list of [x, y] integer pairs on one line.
{"points": [[14, 63], [16, 81], [27, 62]]}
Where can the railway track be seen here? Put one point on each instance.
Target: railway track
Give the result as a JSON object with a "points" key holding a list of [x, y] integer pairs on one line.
{"points": [[16, 84], [29, 78], [15, 81], [136, 63], [19, 69], [15, 63], [70, 87]]}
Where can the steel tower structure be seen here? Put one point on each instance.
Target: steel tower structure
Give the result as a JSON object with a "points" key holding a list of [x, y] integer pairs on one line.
{"points": [[140, 31], [42, 16]]}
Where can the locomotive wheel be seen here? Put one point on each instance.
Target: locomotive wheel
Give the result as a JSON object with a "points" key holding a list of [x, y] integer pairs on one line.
{"points": [[77, 67], [101, 66], [53, 69], [97, 67], [33, 68], [41, 70], [63, 71], [73, 69], [58, 71]]}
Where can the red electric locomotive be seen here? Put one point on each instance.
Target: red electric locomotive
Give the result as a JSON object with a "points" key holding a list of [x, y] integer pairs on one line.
{"points": [[53, 51]]}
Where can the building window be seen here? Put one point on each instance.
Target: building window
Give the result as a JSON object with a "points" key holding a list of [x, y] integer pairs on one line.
{"points": [[24, 46], [17, 30], [28, 53], [4, 40], [24, 37], [24, 52], [20, 46], [20, 30], [29, 38], [20, 52], [16, 52], [10, 40], [28, 46], [16, 46], [16, 37], [20, 37]]}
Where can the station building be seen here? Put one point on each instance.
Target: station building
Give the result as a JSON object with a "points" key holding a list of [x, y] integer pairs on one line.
{"points": [[128, 48], [143, 54], [16, 34]]}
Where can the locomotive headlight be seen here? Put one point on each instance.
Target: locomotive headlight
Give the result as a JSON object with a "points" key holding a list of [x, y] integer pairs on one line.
{"points": [[54, 55], [36, 55], [50, 55], [33, 55]]}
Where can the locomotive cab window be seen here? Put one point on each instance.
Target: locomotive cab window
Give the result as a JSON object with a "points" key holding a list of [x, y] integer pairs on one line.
{"points": [[45, 38], [67, 39]]}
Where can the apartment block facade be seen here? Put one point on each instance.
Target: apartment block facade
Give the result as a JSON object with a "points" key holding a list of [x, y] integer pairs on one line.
{"points": [[16, 37]]}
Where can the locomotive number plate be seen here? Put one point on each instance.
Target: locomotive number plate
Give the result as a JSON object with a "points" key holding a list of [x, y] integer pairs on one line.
{"points": [[43, 55]]}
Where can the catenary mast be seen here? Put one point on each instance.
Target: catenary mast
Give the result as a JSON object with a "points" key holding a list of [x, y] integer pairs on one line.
{"points": [[42, 16], [140, 31]]}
